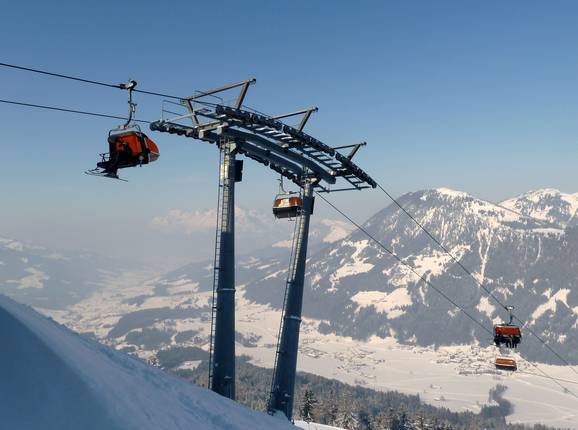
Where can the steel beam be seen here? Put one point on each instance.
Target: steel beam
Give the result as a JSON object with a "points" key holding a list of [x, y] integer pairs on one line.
{"points": [[243, 84], [283, 386], [269, 157], [223, 347], [296, 158]]}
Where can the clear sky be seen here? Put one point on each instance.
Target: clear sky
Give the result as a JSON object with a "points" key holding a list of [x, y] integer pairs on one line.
{"points": [[476, 96]]}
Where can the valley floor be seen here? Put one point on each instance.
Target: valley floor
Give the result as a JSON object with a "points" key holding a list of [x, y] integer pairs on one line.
{"points": [[458, 378]]}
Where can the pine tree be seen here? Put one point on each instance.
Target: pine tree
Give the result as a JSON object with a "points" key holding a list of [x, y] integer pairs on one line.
{"points": [[403, 422], [381, 422], [392, 420], [307, 408], [347, 418], [365, 421], [330, 409]]}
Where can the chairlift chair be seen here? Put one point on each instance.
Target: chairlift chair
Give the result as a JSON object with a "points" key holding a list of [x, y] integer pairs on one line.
{"points": [[286, 204], [127, 148], [503, 363], [507, 334]]}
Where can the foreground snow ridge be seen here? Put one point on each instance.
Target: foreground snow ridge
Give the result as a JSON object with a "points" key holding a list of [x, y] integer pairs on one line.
{"points": [[314, 426], [52, 378]]}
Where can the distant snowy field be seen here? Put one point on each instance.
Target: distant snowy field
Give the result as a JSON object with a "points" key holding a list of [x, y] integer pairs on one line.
{"points": [[457, 377]]}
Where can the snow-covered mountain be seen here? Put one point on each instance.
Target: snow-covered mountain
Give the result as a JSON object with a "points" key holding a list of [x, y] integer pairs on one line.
{"points": [[54, 379], [358, 290], [549, 205]]}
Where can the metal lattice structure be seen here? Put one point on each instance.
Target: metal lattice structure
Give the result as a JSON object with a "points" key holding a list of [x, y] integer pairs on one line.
{"points": [[311, 164]]}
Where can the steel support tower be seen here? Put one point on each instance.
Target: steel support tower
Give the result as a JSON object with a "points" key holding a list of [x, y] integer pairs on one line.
{"points": [[222, 343], [311, 165], [283, 385]]}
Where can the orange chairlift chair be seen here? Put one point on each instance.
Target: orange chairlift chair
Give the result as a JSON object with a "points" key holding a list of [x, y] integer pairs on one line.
{"points": [[128, 145]]}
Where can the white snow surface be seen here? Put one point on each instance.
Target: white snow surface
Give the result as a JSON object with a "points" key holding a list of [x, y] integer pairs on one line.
{"points": [[450, 193], [35, 279], [55, 379], [531, 204], [357, 263], [393, 303], [552, 303], [314, 426], [337, 230]]}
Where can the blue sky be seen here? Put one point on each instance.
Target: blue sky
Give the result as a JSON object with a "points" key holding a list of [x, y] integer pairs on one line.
{"points": [[476, 96]]}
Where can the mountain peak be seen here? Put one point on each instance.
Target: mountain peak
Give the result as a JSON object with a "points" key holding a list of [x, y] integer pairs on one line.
{"points": [[450, 193], [545, 204]]}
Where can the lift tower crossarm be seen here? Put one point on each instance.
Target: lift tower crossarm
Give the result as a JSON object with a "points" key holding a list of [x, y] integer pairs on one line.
{"points": [[244, 84], [306, 115]]}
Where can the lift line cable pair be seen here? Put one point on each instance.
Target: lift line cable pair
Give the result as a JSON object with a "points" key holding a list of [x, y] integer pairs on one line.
{"points": [[427, 282], [60, 109], [117, 86], [103, 84], [469, 273], [566, 390], [86, 81]]}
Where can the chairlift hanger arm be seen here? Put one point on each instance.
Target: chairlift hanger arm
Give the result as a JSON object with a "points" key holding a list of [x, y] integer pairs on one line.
{"points": [[129, 86]]}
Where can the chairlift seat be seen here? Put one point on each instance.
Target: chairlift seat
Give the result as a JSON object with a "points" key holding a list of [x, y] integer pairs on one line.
{"points": [[503, 363], [507, 334], [287, 205]]}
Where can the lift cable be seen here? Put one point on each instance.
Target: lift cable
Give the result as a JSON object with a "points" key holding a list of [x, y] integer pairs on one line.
{"points": [[60, 109], [542, 376], [555, 380], [86, 81], [426, 281], [466, 270]]}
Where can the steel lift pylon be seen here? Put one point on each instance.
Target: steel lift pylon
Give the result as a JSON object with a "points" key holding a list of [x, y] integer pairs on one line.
{"points": [[222, 340], [283, 384], [311, 165]]}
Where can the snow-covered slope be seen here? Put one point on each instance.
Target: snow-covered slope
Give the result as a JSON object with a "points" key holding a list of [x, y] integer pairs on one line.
{"points": [[52, 378], [314, 426]]}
